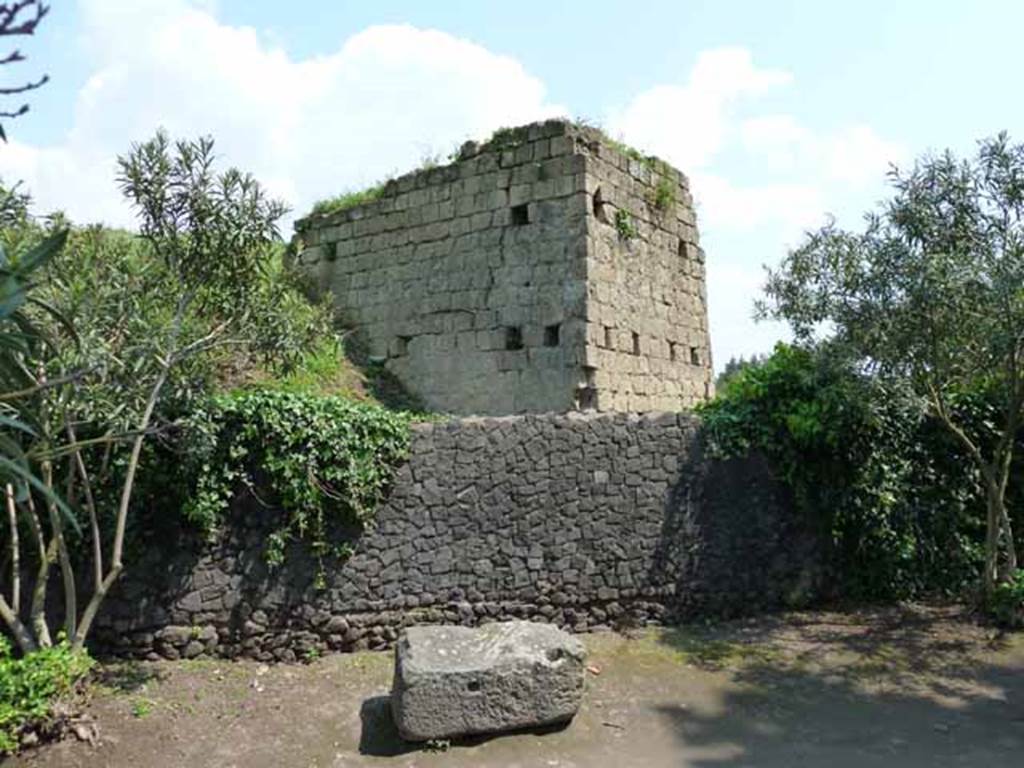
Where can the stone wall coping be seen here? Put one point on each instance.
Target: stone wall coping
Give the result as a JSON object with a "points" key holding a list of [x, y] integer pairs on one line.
{"points": [[503, 140]]}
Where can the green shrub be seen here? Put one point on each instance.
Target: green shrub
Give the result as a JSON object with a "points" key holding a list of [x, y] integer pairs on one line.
{"points": [[323, 458], [32, 685], [1007, 602], [889, 489]]}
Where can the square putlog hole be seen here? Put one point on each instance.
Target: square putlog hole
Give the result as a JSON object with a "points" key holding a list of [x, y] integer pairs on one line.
{"points": [[513, 338], [520, 215], [551, 334]]}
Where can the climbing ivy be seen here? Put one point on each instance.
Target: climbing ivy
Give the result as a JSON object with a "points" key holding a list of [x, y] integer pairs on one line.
{"points": [[322, 458]]}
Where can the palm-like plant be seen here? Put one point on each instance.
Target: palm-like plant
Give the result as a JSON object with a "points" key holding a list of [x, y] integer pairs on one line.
{"points": [[19, 338]]}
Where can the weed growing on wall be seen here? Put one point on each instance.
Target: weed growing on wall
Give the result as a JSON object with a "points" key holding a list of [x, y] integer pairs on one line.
{"points": [[320, 456], [664, 196], [348, 200], [625, 225]]}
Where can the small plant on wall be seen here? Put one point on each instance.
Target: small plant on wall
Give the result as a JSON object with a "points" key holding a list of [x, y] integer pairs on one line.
{"points": [[625, 225], [663, 198]]}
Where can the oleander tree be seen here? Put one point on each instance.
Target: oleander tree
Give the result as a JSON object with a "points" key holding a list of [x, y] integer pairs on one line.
{"points": [[107, 345], [931, 293]]}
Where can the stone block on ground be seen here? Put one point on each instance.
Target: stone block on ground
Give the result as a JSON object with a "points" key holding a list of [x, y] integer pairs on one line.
{"points": [[458, 681]]}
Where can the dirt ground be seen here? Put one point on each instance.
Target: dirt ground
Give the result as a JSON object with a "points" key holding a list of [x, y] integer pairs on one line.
{"points": [[909, 686]]}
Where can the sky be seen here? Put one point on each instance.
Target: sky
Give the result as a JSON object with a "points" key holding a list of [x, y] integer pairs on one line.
{"points": [[781, 113]]}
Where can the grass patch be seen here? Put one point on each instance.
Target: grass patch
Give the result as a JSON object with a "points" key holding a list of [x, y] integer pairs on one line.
{"points": [[324, 370], [348, 200]]}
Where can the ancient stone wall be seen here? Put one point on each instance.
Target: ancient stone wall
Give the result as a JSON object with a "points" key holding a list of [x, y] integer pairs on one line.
{"points": [[549, 269], [586, 521], [647, 344], [468, 280]]}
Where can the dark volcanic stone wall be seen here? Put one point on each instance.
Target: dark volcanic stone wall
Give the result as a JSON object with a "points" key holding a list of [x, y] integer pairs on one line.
{"points": [[584, 520]]}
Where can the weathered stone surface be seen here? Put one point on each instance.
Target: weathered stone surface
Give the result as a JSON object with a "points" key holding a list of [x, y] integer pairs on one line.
{"points": [[456, 681], [546, 270]]}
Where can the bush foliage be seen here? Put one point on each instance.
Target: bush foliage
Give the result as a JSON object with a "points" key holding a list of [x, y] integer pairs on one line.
{"points": [[325, 459], [32, 685], [902, 507], [1007, 604]]}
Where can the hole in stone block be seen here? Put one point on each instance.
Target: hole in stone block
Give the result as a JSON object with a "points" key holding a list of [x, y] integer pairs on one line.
{"points": [[598, 203], [672, 351], [694, 355], [402, 345], [551, 333], [609, 342], [636, 343], [513, 338], [586, 399], [682, 248], [473, 685], [520, 215]]}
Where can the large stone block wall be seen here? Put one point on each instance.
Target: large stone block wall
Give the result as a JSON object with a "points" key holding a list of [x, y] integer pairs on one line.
{"points": [[468, 280], [507, 283], [587, 521], [647, 345]]}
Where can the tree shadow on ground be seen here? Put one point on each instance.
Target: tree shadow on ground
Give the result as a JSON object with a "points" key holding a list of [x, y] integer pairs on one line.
{"points": [[896, 690], [128, 676]]}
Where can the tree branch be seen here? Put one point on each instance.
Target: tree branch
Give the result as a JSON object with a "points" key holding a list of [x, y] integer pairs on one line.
{"points": [[64, 558], [12, 517], [90, 505], [47, 554], [9, 13], [21, 634]]}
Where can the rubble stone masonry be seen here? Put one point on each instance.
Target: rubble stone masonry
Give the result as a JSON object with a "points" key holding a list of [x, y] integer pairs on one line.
{"points": [[582, 520]]}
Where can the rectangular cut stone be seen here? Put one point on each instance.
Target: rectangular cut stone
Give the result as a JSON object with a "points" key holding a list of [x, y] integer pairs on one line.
{"points": [[458, 681], [565, 234]]}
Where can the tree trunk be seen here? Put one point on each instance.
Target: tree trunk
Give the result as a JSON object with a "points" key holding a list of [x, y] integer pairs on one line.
{"points": [[993, 527], [1000, 550]]}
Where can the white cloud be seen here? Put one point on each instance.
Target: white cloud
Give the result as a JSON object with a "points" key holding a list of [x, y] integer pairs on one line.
{"points": [[307, 128], [855, 154], [791, 207], [759, 180], [390, 95], [731, 291], [860, 156], [687, 124]]}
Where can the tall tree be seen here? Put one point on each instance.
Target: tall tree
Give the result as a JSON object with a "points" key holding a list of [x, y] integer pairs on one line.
{"points": [[142, 310], [932, 292]]}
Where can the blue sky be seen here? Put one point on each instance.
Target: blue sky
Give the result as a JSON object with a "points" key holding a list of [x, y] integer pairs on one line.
{"points": [[780, 112]]}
